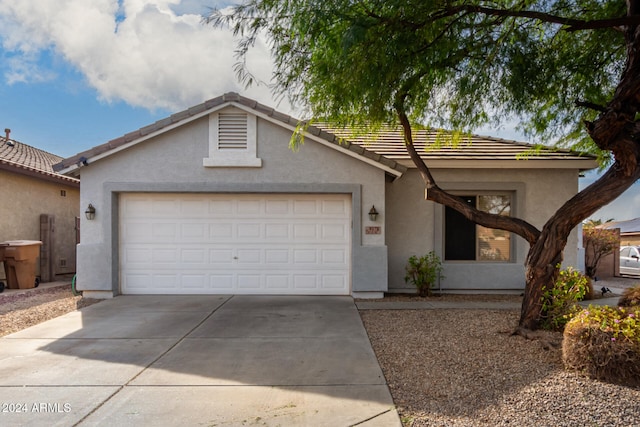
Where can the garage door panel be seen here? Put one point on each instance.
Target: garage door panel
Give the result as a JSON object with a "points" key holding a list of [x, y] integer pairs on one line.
{"points": [[277, 256], [305, 281], [249, 231], [193, 256], [194, 281], [194, 208], [333, 282], [305, 208], [335, 256], [276, 208], [249, 281], [165, 256], [165, 208], [277, 231], [139, 256], [213, 243], [305, 231], [249, 256], [134, 232], [221, 256], [220, 207], [164, 281], [221, 282], [249, 207], [136, 207], [334, 232], [138, 281], [163, 232], [277, 282], [221, 230], [194, 232]]}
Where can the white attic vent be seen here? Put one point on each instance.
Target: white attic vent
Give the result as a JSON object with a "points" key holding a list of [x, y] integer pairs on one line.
{"points": [[232, 139], [232, 131]]}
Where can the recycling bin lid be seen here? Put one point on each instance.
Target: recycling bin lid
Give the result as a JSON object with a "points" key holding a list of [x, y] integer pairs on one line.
{"points": [[20, 243]]}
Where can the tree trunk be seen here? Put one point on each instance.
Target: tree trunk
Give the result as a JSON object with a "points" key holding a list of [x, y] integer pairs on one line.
{"points": [[541, 272]]}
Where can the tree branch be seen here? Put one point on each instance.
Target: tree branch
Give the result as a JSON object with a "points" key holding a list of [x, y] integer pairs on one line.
{"points": [[591, 105], [436, 194], [570, 24]]}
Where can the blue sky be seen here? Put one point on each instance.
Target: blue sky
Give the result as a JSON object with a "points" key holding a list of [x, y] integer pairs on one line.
{"points": [[77, 73]]}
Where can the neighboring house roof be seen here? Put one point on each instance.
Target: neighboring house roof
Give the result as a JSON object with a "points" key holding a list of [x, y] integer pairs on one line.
{"points": [[27, 160], [385, 151], [631, 226]]}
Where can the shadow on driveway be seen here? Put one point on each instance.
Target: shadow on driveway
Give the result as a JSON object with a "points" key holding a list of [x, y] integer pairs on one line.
{"points": [[180, 360]]}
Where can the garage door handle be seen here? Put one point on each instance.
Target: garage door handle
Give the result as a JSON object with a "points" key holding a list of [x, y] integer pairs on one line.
{"points": [[235, 257]]}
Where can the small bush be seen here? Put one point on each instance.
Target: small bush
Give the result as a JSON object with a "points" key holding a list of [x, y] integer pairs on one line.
{"points": [[559, 303], [424, 272], [604, 343], [630, 297]]}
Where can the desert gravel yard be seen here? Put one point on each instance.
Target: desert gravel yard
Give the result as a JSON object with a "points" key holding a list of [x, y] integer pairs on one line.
{"points": [[21, 310], [444, 367], [464, 368]]}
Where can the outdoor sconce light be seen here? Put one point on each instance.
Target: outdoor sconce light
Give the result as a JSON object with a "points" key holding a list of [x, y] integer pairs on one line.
{"points": [[373, 213], [90, 212]]}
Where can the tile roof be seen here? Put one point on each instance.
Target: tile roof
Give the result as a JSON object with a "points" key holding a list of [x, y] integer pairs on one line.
{"points": [[23, 158], [386, 149], [432, 144], [626, 227]]}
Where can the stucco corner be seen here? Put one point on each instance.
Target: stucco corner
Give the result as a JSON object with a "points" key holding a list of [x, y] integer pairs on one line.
{"points": [[370, 269], [94, 268]]}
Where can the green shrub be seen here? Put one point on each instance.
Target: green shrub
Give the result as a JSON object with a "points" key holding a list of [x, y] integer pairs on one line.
{"points": [[630, 297], [559, 304], [424, 272], [604, 343]]}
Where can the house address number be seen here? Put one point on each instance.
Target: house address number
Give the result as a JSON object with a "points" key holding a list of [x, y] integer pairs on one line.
{"points": [[372, 230]]}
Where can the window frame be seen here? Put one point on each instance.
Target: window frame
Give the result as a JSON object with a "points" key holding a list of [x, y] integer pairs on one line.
{"points": [[515, 190]]}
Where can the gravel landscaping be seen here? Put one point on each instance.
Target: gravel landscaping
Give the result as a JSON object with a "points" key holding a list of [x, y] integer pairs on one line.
{"points": [[21, 310], [444, 367], [464, 368]]}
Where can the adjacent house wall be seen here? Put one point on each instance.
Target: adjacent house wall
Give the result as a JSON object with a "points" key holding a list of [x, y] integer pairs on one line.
{"points": [[173, 162], [415, 226], [630, 239], [24, 199]]}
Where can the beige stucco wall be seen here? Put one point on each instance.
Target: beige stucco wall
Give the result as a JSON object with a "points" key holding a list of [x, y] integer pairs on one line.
{"points": [[173, 162], [415, 226], [23, 199]]}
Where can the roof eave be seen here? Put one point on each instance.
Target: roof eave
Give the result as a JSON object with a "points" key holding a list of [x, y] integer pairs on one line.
{"points": [[580, 164], [39, 174], [72, 165]]}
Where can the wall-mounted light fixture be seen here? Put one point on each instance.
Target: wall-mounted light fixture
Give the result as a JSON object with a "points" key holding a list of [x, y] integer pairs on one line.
{"points": [[90, 212], [373, 213]]}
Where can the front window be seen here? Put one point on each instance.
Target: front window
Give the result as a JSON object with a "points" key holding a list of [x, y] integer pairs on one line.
{"points": [[466, 241]]}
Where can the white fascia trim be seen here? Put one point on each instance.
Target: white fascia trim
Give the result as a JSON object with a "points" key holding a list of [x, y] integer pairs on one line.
{"points": [[585, 164]]}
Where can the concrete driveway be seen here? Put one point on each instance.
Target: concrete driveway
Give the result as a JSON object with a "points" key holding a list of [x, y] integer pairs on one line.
{"points": [[196, 360]]}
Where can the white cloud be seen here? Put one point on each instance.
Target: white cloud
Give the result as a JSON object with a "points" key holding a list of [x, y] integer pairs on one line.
{"points": [[156, 54]]}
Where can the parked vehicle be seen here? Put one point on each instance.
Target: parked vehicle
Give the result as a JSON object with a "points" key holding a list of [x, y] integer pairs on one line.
{"points": [[630, 260]]}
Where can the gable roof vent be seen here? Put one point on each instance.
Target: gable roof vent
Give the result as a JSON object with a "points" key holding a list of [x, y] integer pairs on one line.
{"points": [[232, 131]]}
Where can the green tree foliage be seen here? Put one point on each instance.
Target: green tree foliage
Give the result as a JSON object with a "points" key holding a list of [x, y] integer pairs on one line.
{"points": [[568, 69]]}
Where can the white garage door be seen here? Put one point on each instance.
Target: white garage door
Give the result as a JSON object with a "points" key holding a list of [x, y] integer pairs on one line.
{"points": [[235, 244]]}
